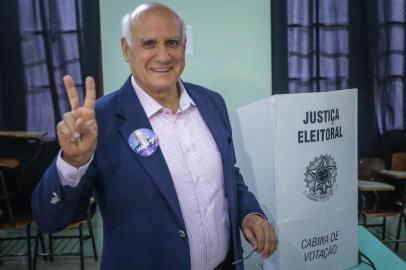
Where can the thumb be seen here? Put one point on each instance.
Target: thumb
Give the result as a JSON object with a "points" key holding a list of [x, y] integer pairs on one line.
{"points": [[250, 237]]}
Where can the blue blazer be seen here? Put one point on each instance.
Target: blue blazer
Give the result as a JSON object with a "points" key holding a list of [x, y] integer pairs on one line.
{"points": [[142, 219]]}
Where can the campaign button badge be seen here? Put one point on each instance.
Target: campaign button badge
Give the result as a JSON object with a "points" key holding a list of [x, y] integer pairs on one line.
{"points": [[143, 141]]}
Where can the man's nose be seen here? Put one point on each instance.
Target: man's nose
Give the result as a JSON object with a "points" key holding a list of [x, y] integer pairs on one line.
{"points": [[163, 54]]}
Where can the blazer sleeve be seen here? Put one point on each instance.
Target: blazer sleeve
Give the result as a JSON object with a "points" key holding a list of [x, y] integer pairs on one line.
{"points": [[55, 206]]}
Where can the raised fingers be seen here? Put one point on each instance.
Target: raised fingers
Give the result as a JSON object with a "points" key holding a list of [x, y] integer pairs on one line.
{"points": [[71, 91], [90, 98]]}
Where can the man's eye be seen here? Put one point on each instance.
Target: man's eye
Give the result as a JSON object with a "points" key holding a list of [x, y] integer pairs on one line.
{"points": [[173, 43], [148, 44]]}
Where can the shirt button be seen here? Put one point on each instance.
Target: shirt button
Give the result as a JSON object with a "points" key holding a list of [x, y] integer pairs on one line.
{"points": [[182, 233]]}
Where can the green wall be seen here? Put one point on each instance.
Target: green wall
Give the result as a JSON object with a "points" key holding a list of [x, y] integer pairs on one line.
{"points": [[231, 41]]}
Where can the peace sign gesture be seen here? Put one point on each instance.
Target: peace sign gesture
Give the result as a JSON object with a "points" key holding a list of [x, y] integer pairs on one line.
{"points": [[77, 132]]}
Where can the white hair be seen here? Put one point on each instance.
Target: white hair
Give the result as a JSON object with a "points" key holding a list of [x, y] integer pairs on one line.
{"points": [[126, 21], [125, 28]]}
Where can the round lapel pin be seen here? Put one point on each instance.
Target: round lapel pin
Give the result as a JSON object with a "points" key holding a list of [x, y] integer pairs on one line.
{"points": [[143, 141]]}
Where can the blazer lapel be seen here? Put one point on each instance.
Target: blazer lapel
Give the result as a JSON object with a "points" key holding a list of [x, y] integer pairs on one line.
{"points": [[211, 116], [133, 117]]}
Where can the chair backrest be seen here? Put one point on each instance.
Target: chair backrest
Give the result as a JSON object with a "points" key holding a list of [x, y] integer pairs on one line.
{"points": [[399, 161], [368, 168]]}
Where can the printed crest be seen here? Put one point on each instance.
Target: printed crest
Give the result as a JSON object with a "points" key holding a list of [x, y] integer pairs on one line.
{"points": [[321, 178]]}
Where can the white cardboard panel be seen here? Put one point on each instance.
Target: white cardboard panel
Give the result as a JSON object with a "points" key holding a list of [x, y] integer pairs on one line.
{"points": [[276, 157], [293, 158], [318, 243]]}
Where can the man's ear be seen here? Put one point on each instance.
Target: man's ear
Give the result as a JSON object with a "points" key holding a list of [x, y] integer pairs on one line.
{"points": [[184, 45], [124, 48]]}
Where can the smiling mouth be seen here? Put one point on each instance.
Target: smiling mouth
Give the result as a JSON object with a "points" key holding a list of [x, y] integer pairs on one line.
{"points": [[161, 70]]}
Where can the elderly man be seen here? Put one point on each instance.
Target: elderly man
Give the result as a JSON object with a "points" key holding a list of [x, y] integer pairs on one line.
{"points": [[178, 205]]}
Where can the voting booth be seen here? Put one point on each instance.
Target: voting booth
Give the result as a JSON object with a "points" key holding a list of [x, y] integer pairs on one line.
{"points": [[300, 154]]}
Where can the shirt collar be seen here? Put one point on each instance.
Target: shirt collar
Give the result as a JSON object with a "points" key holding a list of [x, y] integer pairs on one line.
{"points": [[151, 106]]}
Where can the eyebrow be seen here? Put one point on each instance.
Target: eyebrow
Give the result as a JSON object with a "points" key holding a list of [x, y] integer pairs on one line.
{"points": [[142, 40], [154, 39]]}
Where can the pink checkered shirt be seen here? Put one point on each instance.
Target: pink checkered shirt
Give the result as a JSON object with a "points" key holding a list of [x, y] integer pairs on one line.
{"points": [[195, 165]]}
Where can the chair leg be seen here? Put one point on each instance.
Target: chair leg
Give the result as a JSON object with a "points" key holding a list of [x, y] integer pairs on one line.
{"points": [[383, 228], [41, 238], [34, 263], [404, 222], [8, 204], [29, 246], [398, 231], [50, 247], [91, 234], [82, 264]]}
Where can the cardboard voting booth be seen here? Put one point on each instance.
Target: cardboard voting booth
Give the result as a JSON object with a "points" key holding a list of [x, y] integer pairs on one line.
{"points": [[301, 150]]}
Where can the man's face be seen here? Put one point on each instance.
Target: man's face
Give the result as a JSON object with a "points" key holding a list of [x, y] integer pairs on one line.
{"points": [[157, 51]]}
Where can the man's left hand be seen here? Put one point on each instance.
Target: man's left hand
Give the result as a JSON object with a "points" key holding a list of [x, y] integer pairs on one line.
{"points": [[260, 233]]}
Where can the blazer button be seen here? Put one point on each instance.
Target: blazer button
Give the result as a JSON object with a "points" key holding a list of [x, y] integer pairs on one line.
{"points": [[182, 233]]}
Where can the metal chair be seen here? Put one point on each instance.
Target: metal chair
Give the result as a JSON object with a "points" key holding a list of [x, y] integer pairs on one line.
{"points": [[380, 204], [64, 243], [15, 210], [8, 164], [17, 225], [398, 163]]}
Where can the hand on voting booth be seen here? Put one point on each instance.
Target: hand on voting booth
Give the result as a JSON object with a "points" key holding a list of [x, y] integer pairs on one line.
{"points": [[260, 233]]}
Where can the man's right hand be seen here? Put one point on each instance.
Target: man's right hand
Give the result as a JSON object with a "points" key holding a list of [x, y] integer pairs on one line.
{"points": [[77, 132]]}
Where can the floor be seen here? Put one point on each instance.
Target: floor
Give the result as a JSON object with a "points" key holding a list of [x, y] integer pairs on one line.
{"points": [[72, 263], [58, 263], [69, 263]]}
